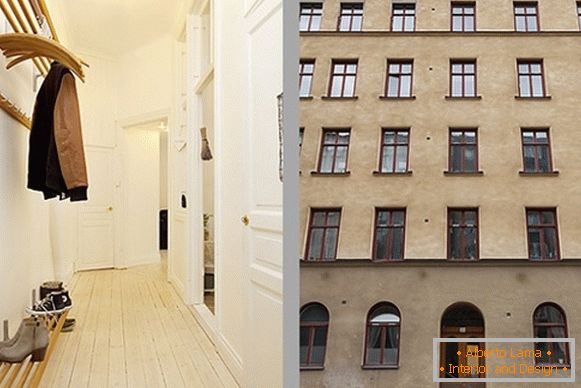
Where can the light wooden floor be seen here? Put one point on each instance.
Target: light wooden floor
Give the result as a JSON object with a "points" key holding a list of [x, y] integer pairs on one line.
{"points": [[133, 330]]}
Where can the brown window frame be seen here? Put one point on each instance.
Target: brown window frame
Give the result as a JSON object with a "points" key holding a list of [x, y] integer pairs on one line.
{"points": [[384, 328], [526, 4], [399, 74], [396, 145], [536, 146], [343, 75], [463, 15], [303, 74], [390, 237], [312, 7], [462, 226], [465, 76], [551, 345], [348, 10], [543, 226], [335, 145], [406, 7], [312, 326], [529, 75], [325, 227], [463, 146]]}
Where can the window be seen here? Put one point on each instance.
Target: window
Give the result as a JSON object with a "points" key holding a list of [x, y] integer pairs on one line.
{"points": [[542, 234], [549, 321], [530, 79], [343, 77], [536, 150], [323, 234], [389, 234], [314, 328], [310, 18], [301, 138], [463, 17], [463, 78], [526, 17], [403, 17], [579, 14], [351, 18], [334, 151], [463, 234], [306, 70], [382, 336], [394, 151], [399, 79], [463, 151]]}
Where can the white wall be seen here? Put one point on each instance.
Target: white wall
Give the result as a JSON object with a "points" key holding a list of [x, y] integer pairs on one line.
{"points": [[141, 161], [25, 257], [163, 169]]}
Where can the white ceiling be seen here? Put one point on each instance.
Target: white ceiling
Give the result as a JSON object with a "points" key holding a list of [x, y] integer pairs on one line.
{"points": [[112, 27]]}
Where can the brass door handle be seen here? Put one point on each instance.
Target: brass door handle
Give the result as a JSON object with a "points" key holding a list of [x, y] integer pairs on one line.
{"points": [[245, 220]]}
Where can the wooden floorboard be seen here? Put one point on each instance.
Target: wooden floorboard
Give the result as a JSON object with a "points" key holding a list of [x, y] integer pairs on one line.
{"points": [[133, 331]]}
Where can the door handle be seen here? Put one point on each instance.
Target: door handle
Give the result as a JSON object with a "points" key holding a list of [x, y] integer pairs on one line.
{"points": [[245, 220]]}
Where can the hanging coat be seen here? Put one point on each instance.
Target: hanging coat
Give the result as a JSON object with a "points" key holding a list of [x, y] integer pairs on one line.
{"points": [[56, 159]]}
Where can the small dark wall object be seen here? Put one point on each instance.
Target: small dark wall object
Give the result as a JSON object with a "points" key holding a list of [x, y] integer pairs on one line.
{"points": [[208, 282], [184, 201], [206, 151], [163, 229]]}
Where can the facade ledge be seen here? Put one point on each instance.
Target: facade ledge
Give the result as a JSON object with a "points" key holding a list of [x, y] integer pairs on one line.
{"points": [[464, 174], [455, 98], [554, 173], [503, 262], [331, 174], [533, 98], [379, 173], [373, 367], [306, 98], [339, 98], [311, 368], [388, 98]]}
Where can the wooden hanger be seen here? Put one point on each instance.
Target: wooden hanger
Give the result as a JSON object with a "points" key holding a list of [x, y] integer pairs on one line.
{"points": [[22, 46]]}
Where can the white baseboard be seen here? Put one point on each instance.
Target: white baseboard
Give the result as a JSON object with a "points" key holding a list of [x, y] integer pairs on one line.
{"points": [[177, 285], [151, 259]]}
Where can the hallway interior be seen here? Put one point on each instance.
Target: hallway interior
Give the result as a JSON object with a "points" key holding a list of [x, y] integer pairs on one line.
{"points": [[133, 330]]}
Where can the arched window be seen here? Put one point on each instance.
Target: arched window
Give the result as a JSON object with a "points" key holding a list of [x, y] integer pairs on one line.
{"points": [[549, 322], [314, 327], [382, 336]]}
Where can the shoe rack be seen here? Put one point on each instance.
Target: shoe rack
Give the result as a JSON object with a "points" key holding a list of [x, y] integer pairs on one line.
{"points": [[28, 374]]}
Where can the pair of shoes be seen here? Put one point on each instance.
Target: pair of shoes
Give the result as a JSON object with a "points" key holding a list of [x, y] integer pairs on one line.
{"points": [[31, 339], [48, 287], [54, 303], [69, 325]]}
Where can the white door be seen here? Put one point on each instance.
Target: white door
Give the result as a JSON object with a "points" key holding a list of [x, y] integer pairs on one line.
{"points": [[96, 222], [264, 346]]}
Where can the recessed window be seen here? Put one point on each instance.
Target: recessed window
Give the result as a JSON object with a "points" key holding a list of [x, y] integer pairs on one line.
{"points": [[394, 150], [536, 149], [323, 234], [543, 237], [313, 333], [550, 322], [389, 234], [301, 138], [382, 336], [463, 78], [306, 70], [530, 78], [334, 151], [463, 17], [403, 17], [463, 234], [463, 151], [310, 17], [526, 16], [579, 14], [351, 18], [343, 77], [399, 79]]}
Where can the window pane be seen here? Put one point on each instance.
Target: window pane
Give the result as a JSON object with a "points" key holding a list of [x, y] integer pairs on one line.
{"points": [[330, 137], [319, 218], [389, 137], [470, 217], [528, 137], [387, 163], [469, 23], [534, 243], [343, 137], [304, 23], [457, 23], [316, 23], [469, 86], [397, 244], [406, 86], [455, 239], [315, 244], [336, 87], [304, 344], [548, 217], [333, 218], [373, 345], [549, 314], [470, 159], [382, 218], [456, 86], [524, 86], [330, 243], [533, 218], [542, 137], [327, 159], [537, 86], [406, 68], [544, 159], [402, 137], [344, 26], [409, 23], [532, 23], [390, 352], [393, 86], [456, 158], [550, 246], [529, 158], [305, 88], [341, 160], [401, 159], [520, 23], [314, 313], [381, 243], [349, 89], [397, 217], [319, 343], [455, 217], [470, 249], [397, 23], [536, 68]]}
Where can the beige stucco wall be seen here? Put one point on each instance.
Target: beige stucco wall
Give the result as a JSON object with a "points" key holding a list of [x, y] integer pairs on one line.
{"points": [[422, 294], [501, 193]]}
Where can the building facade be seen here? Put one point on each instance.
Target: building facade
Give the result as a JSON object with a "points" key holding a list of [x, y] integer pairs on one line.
{"points": [[439, 185]]}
